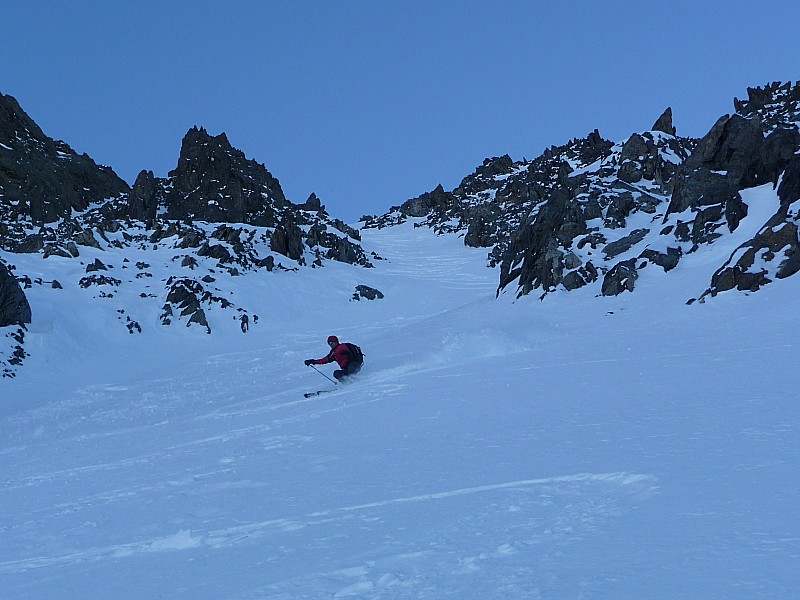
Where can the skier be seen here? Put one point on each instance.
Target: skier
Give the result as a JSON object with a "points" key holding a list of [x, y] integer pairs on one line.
{"points": [[348, 356]]}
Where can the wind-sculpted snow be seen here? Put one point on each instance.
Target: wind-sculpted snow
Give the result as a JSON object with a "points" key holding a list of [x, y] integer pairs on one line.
{"points": [[618, 447]]}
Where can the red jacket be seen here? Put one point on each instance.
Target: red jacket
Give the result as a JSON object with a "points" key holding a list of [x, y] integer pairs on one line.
{"points": [[340, 354]]}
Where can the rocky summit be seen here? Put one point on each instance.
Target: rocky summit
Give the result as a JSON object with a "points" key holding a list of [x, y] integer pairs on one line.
{"points": [[594, 212]]}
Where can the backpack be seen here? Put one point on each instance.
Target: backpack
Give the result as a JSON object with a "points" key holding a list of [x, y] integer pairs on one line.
{"points": [[355, 352]]}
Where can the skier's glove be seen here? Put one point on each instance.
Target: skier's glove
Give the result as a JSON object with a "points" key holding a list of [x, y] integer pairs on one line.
{"points": [[309, 362]]}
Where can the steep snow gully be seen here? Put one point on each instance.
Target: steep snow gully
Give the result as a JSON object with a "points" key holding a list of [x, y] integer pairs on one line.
{"points": [[577, 447]]}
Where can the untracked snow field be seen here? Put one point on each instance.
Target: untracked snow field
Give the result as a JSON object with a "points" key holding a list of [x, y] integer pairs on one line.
{"points": [[576, 447]]}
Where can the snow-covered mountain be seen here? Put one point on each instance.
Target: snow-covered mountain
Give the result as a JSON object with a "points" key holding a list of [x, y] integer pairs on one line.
{"points": [[598, 444], [591, 213], [217, 215]]}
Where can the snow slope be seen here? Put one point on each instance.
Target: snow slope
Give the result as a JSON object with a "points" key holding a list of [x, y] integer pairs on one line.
{"points": [[579, 447]]}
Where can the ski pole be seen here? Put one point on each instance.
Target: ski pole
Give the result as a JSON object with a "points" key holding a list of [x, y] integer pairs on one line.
{"points": [[323, 374]]}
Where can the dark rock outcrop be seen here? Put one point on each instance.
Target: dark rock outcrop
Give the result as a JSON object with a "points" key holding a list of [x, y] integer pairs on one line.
{"points": [[287, 240], [14, 306], [545, 220], [664, 123], [184, 296], [624, 244], [44, 179], [789, 189], [770, 157], [437, 200], [536, 247], [30, 245], [96, 265], [313, 203], [775, 243], [367, 292], [145, 198], [741, 151], [622, 277], [666, 260], [581, 207], [216, 182]]}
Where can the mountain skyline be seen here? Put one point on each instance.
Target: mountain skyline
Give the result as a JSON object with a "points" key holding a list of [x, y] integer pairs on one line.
{"points": [[369, 104], [536, 216]]}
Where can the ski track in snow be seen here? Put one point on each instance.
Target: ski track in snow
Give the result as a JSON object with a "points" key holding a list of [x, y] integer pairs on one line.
{"points": [[639, 484], [550, 511]]}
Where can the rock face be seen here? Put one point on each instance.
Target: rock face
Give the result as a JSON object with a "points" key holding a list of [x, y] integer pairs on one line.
{"points": [[44, 179], [587, 220], [217, 183], [145, 198], [664, 123], [595, 213], [767, 151], [14, 307], [737, 153]]}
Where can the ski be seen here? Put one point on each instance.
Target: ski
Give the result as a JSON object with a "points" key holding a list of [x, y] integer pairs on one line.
{"points": [[317, 393]]}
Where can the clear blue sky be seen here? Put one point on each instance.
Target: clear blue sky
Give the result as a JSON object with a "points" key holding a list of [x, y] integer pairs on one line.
{"points": [[371, 103]]}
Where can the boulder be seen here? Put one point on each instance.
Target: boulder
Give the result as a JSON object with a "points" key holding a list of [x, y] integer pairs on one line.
{"points": [[97, 265], [624, 244], [268, 263], [666, 260], [580, 277], [86, 238], [622, 277], [30, 245], [217, 251], [368, 293], [55, 250]]}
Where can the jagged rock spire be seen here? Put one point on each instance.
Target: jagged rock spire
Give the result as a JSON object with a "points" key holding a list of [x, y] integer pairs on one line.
{"points": [[664, 122]]}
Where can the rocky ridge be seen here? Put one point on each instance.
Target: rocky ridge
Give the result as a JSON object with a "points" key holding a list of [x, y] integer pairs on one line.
{"points": [[595, 213], [217, 215]]}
